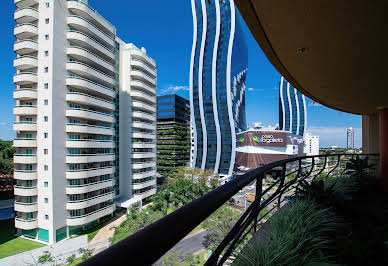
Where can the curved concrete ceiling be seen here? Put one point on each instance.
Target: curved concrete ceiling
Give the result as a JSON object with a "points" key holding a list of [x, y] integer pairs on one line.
{"points": [[335, 52]]}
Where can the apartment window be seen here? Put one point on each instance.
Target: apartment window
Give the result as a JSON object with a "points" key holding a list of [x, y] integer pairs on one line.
{"points": [[45, 69], [45, 151], [45, 135], [45, 184], [47, 21], [45, 102], [46, 167], [45, 200], [46, 37], [46, 216], [46, 119], [45, 53], [46, 85], [47, 4]]}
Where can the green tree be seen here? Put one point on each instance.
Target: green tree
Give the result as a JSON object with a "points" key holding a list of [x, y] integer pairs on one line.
{"points": [[218, 225]]}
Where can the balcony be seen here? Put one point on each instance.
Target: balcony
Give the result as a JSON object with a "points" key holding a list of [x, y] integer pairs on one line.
{"points": [[142, 106], [89, 129], [141, 155], [89, 143], [25, 94], [25, 62], [144, 175], [25, 142], [90, 217], [80, 189], [85, 173], [143, 165], [144, 184], [144, 195], [81, 9], [25, 158], [90, 73], [142, 96], [143, 76], [25, 110], [143, 115], [140, 55], [89, 158], [25, 126], [143, 145], [82, 25], [143, 135], [25, 47], [25, 191], [144, 125], [89, 114], [89, 100], [89, 86], [26, 224], [142, 86], [25, 78], [85, 56], [139, 64], [26, 207], [80, 39], [25, 3], [25, 174], [25, 31], [84, 203], [26, 15]]}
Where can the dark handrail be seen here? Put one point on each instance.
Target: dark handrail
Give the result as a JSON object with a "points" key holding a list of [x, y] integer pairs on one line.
{"points": [[149, 244]]}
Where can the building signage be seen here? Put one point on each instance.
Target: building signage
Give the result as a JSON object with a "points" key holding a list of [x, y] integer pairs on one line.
{"points": [[262, 138], [267, 139]]}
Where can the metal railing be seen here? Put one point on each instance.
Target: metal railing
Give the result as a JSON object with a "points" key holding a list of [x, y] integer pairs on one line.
{"points": [[148, 245]]}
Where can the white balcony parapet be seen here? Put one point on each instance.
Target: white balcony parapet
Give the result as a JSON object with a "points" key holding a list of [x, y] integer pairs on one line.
{"points": [[140, 95], [25, 94], [85, 173], [25, 3], [139, 105], [138, 54], [89, 100], [26, 207], [26, 224], [89, 158], [25, 62], [141, 155], [25, 126], [25, 47], [140, 64], [142, 125], [90, 73], [84, 203], [89, 143], [26, 15], [85, 188], [143, 76], [145, 184], [143, 115], [136, 165], [89, 86], [143, 135], [143, 145], [25, 31], [25, 110], [140, 85], [25, 158], [25, 142], [89, 129], [25, 174], [87, 218], [89, 114], [25, 191], [25, 78], [144, 175], [145, 194]]}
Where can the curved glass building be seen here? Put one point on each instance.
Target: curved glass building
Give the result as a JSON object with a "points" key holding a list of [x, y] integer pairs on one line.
{"points": [[292, 109], [218, 69]]}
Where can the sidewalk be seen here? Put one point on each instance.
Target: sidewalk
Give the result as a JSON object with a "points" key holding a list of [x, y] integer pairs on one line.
{"points": [[107, 231]]}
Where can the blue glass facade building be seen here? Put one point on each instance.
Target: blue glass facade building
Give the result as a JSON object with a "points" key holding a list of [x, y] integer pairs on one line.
{"points": [[218, 71], [292, 109]]}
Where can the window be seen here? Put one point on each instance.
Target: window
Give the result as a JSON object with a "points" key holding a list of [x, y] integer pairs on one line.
{"points": [[45, 151], [47, 4], [46, 167], [46, 37], [46, 216], [45, 184], [46, 85], [28, 136], [45, 102], [46, 119], [45, 53], [46, 70], [45, 135], [47, 21], [45, 200]]}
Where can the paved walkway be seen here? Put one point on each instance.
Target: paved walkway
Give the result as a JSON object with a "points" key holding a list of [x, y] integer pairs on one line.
{"points": [[107, 231]]}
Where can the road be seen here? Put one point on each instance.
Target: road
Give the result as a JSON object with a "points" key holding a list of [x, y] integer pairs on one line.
{"points": [[189, 245]]}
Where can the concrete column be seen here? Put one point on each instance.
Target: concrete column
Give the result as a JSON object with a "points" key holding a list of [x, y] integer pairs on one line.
{"points": [[383, 123], [370, 133]]}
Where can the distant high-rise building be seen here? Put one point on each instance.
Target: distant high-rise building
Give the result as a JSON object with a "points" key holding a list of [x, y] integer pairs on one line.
{"points": [[173, 128], [311, 144], [292, 109], [85, 119], [218, 70], [350, 138]]}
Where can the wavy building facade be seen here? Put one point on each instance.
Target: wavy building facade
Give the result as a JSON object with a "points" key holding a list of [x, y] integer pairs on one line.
{"points": [[218, 70], [292, 109]]}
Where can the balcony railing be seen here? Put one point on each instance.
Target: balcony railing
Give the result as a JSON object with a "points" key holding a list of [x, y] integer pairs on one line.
{"points": [[175, 226]]}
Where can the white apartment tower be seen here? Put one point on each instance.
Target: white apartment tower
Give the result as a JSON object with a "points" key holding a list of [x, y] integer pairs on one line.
{"points": [[311, 144], [85, 119]]}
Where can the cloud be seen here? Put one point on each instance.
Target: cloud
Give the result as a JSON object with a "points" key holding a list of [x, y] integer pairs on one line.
{"points": [[335, 136], [174, 89], [253, 89], [3, 123], [315, 104]]}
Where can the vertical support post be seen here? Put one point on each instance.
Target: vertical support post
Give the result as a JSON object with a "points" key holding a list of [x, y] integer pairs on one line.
{"points": [[282, 179], [258, 195], [383, 137]]}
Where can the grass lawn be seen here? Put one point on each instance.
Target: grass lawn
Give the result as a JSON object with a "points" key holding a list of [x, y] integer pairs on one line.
{"points": [[11, 245], [76, 262]]}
